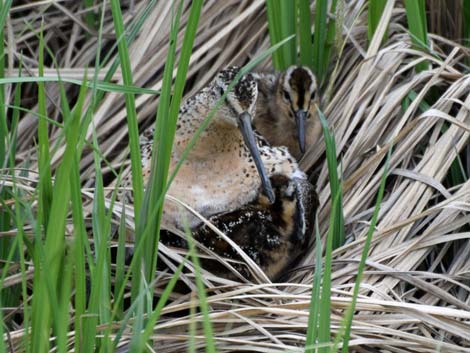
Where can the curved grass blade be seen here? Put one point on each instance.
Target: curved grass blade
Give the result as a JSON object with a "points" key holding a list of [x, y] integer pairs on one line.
{"points": [[206, 323], [100, 85], [324, 329], [312, 329], [136, 160], [346, 324]]}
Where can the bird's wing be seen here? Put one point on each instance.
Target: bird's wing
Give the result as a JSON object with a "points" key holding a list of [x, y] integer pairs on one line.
{"points": [[307, 206]]}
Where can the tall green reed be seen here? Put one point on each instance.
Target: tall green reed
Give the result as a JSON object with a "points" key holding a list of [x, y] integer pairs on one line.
{"points": [[417, 25], [374, 13], [132, 125], [294, 17]]}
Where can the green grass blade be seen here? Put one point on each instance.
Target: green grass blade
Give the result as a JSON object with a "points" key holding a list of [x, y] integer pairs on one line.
{"points": [[90, 18], [15, 118], [273, 11], [65, 291], [348, 317], [288, 20], [417, 24], [99, 307], [324, 37], [374, 14], [80, 242], [136, 160], [120, 261], [180, 82], [335, 183], [137, 344], [3, 348], [206, 323], [24, 280], [45, 181], [319, 40], [134, 29], [282, 20], [80, 237], [55, 241], [330, 39], [3, 117], [312, 329], [324, 329], [41, 319], [105, 302], [157, 176], [149, 327], [50, 263], [5, 218], [10, 294], [304, 32], [159, 172], [19, 219], [4, 9], [54, 235], [99, 85], [166, 127], [192, 327]]}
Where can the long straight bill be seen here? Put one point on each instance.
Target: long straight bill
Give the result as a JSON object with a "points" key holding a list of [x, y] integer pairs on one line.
{"points": [[244, 124]]}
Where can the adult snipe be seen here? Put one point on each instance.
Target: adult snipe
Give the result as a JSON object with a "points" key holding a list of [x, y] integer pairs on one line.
{"points": [[224, 170]]}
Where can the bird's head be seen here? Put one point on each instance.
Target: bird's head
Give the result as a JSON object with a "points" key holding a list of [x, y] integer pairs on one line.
{"points": [[297, 97], [241, 98]]}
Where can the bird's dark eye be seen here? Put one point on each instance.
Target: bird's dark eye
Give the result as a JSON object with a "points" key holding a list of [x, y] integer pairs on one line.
{"points": [[313, 96], [221, 90], [286, 95]]}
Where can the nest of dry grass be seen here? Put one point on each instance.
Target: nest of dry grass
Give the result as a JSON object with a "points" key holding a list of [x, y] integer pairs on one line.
{"points": [[415, 296]]}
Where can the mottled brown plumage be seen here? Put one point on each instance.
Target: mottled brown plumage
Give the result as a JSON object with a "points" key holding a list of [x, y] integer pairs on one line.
{"points": [[286, 109], [223, 170], [224, 181], [272, 235]]}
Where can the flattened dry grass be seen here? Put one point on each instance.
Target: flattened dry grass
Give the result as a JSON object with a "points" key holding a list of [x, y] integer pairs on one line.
{"points": [[415, 294]]}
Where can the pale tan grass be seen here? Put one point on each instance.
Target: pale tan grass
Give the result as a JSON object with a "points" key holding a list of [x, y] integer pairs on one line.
{"points": [[415, 294]]}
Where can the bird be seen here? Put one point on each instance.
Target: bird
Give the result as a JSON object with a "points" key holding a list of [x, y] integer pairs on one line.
{"points": [[273, 235], [286, 109], [223, 170]]}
